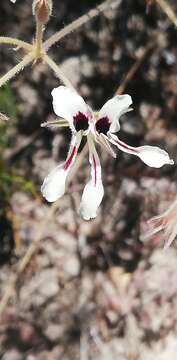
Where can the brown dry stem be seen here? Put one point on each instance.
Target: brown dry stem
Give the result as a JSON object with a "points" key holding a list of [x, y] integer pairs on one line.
{"points": [[133, 69], [168, 11]]}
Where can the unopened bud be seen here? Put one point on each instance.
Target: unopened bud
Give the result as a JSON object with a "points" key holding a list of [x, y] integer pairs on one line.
{"points": [[42, 10]]}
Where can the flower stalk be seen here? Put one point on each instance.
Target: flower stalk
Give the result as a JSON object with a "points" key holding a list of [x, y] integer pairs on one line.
{"points": [[16, 69], [38, 40], [36, 51], [56, 69], [16, 42]]}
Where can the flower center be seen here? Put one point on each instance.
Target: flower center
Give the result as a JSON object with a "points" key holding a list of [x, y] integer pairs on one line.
{"points": [[103, 125], [80, 121]]}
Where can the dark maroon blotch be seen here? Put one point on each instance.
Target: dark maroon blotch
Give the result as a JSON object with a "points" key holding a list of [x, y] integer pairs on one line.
{"points": [[103, 125], [80, 122]]}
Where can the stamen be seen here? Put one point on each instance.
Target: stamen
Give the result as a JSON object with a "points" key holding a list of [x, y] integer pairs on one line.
{"points": [[80, 121], [103, 125]]}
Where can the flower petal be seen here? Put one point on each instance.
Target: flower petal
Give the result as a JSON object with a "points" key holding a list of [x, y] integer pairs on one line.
{"points": [[67, 103], [114, 108], [53, 186], [152, 156], [93, 191]]}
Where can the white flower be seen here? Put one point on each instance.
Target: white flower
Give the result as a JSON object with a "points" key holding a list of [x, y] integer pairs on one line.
{"points": [[13, 1], [98, 127]]}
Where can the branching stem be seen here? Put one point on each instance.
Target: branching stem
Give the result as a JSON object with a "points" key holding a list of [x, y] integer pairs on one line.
{"points": [[38, 39], [77, 23], [15, 42], [57, 71], [11, 73]]}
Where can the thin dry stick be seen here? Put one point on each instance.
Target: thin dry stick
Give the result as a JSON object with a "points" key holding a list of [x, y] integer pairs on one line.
{"points": [[79, 22], [168, 11], [9, 156], [32, 249], [131, 73], [27, 257]]}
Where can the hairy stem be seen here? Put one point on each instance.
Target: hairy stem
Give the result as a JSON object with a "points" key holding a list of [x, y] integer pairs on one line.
{"points": [[55, 123], [16, 42], [38, 39], [57, 70], [79, 22], [168, 11], [11, 73]]}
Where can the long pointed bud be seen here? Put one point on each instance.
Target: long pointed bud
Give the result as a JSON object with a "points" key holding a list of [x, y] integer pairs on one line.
{"points": [[42, 10]]}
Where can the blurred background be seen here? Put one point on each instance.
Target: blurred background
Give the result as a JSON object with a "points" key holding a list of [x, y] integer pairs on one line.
{"points": [[94, 290]]}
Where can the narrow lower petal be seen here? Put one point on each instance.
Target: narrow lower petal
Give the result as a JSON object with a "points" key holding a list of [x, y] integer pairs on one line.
{"points": [[154, 156], [151, 155], [67, 104], [93, 191], [53, 186], [113, 109]]}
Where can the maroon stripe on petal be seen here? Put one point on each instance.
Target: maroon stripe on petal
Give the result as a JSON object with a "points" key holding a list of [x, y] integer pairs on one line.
{"points": [[94, 166], [126, 147], [69, 160]]}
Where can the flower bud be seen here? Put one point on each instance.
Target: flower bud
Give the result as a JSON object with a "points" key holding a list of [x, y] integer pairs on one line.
{"points": [[42, 10]]}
